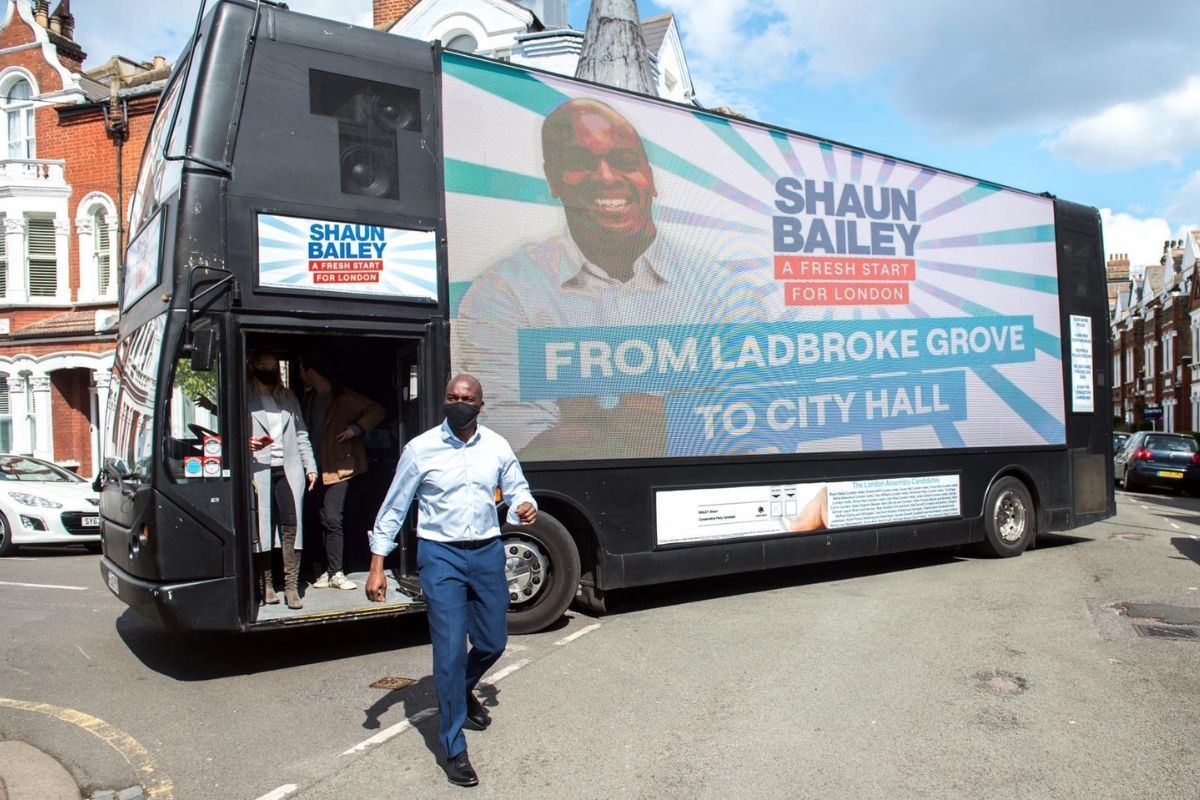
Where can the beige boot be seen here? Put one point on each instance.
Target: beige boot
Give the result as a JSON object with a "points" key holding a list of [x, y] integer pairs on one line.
{"points": [[291, 567], [264, 582]]}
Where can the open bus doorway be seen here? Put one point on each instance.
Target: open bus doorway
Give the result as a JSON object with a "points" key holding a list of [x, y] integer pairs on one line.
{"points": [[387, 371]]}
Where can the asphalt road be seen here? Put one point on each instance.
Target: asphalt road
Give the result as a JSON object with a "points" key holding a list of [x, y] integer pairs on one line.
{"points": [[936, 674]]}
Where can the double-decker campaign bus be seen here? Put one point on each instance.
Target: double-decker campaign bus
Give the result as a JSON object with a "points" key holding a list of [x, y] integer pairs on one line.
{"points": [[716, 346]]}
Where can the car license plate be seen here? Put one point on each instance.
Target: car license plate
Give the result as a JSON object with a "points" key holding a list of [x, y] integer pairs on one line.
{"points": [[112, 584], [90, 522], [1168, 473]]}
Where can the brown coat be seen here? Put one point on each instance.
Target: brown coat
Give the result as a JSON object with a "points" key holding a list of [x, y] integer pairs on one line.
{"points": [[341, 461]]}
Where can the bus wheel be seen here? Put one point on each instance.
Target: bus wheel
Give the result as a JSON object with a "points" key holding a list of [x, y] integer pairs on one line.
{"points": [[1009, 519], [542, 566], [7, 548]]}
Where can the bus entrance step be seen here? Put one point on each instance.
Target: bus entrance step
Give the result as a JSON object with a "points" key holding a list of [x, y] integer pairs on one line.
{"points": [[329, 602]]}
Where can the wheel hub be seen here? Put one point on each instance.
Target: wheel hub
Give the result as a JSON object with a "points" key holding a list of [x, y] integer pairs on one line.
{"points": [[527, 570], [1010, 517]]}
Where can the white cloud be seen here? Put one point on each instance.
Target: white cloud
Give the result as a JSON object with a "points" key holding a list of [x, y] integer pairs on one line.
{"points": [[1141, 239], [132, 30], [1128, 135], [1185, 202], [967, 69]]}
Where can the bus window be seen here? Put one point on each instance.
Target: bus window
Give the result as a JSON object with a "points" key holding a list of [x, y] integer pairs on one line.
{"points": [[157, 177], [194, 440], [131, 400]]}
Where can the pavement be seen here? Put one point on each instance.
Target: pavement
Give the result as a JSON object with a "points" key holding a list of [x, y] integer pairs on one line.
{"points": [[27, 773]]}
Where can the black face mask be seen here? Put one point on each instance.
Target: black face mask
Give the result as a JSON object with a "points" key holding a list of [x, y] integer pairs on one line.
{"points": [[460, 415], [268, 377]]}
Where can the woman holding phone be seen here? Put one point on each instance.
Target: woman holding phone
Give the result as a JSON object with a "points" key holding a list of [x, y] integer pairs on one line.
{"points": [[282, 462]]}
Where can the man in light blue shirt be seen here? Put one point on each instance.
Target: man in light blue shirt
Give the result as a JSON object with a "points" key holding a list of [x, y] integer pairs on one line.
{"points": [[453, 471]]}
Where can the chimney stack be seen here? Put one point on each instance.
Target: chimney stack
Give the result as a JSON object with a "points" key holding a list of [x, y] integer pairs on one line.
{"points": [[41, 13], [1118, 267]]}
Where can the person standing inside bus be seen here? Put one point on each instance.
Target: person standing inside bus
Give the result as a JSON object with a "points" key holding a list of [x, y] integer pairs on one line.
{"points": [[452, 471], [337, 419], [282, 462]]}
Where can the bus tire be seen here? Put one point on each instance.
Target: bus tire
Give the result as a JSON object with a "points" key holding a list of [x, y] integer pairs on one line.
{"points": [[1009, 519], [542, 565]]}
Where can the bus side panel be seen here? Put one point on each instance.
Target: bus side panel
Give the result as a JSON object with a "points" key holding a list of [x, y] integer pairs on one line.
{"points": [[1083, 295], [633, 556]]}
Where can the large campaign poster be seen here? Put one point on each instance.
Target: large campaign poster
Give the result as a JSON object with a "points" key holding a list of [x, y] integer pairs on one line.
{"points": [[632, 279]]}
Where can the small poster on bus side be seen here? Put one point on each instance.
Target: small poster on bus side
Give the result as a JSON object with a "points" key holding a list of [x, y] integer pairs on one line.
{"points": [[314, 255], [1082, 395], [736, 512]]}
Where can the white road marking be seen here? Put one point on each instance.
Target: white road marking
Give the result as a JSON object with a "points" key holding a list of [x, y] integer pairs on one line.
{"points": [[85, 655], [44, 586], [282, 791], [19, 558], [578, 633], [1176, 527], [509, 670], [423, 714], [388, 733]]}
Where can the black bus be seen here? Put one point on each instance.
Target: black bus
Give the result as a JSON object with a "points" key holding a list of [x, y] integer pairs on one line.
{"points": [[717, 346]]}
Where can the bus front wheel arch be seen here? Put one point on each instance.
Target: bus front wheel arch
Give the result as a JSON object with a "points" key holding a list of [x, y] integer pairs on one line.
{"points": [[1009, 518], [542, 566]]}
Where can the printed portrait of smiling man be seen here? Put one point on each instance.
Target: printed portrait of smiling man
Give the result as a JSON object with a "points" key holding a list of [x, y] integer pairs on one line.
{"points": [[596, 166], [610, 265]]}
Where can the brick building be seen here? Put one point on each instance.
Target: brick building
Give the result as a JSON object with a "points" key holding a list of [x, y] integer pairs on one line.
{"points": [[72, 144], [1155, 335]]}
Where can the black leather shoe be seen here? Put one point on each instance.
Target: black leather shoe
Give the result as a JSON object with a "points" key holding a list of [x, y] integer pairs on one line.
{"points": [[477, 715], [460, 772]]}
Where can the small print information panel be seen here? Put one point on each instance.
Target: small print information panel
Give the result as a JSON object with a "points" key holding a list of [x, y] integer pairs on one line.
{"points": [[316, 255], [734, 512], [1082, 397]]}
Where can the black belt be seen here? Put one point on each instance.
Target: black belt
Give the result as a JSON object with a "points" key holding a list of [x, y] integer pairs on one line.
{"points": [[472, 544]]}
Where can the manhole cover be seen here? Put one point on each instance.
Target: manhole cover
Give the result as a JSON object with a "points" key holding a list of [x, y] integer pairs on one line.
{"points": [[1001, 682], [1168, 632], [393, 683]]}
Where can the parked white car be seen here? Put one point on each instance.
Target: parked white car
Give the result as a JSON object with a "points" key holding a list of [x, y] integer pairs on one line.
{"points": [[42, 503]]}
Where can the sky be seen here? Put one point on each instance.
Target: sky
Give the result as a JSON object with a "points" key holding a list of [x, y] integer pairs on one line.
{"points": [[1093, 101]]}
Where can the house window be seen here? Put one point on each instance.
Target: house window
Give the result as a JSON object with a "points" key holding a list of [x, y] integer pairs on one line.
{"points": [[102, 254], [18, 119], [463, 43], [5, 417], [43, 258]]}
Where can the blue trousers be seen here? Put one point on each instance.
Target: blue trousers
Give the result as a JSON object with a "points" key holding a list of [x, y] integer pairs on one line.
{"points": [[467, 595]]}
